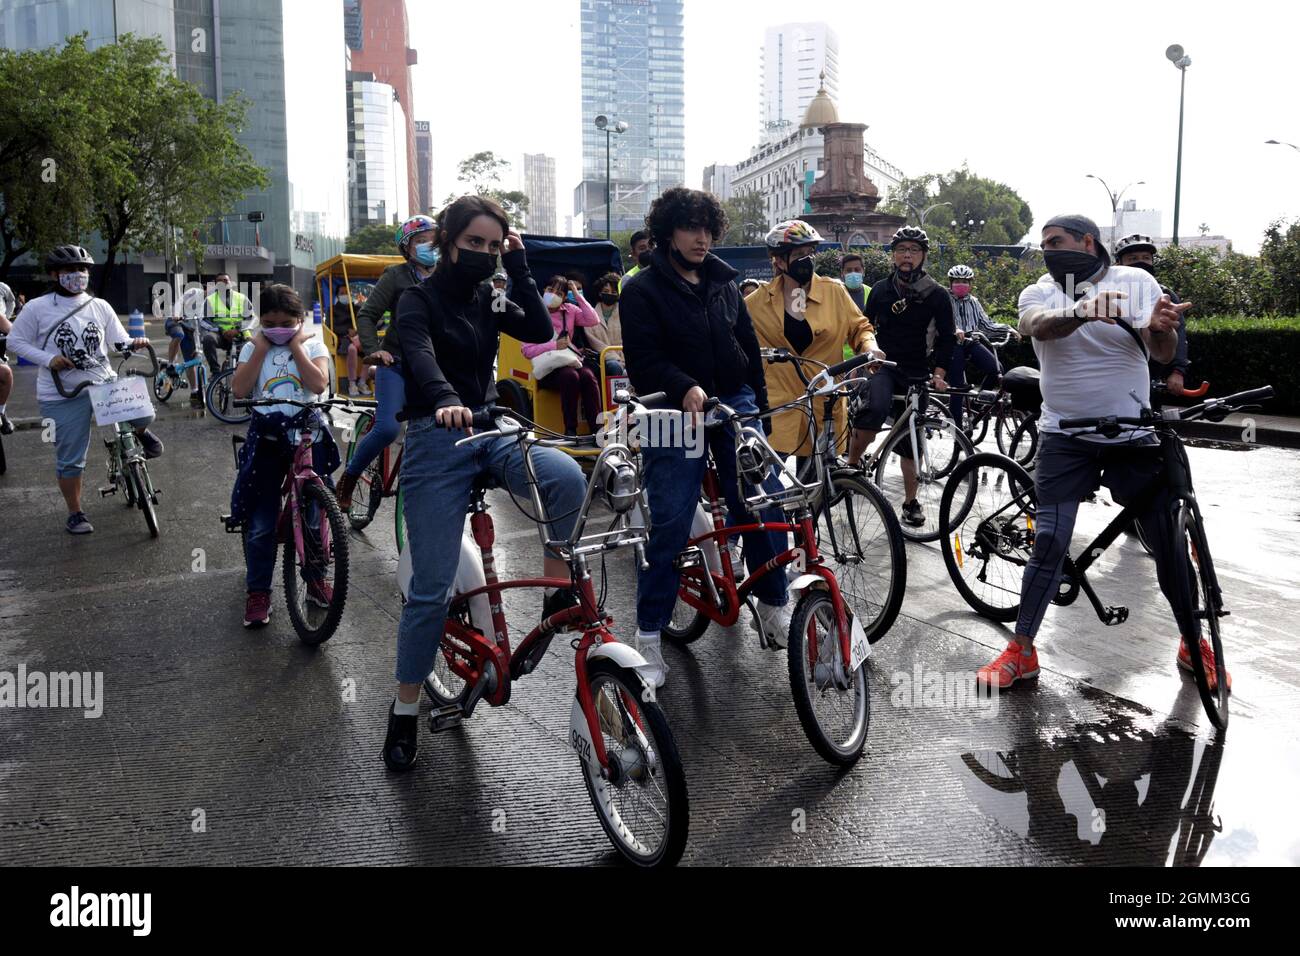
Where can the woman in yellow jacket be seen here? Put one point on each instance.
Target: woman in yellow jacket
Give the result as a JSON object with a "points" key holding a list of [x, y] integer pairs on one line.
{"points": [[808, 314]]}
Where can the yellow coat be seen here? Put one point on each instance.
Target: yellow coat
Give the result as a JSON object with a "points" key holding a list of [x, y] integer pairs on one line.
{"points": [[836, 322]]}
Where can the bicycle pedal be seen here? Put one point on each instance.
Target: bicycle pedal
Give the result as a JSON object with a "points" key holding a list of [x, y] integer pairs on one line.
{"points": [[104, 492], [445, 718], [691, 557], [1116, 616]]}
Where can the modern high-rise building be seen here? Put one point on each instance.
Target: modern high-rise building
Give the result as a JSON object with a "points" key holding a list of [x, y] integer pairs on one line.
{"points": [[423, 168], [717, 180], [379, 40], [633, 73], [794, 56], [539, 187], [278, 54], [377, 153]]}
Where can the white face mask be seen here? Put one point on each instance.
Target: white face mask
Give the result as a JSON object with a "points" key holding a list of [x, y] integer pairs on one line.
{"points": [[551, 301], [75, 282]]}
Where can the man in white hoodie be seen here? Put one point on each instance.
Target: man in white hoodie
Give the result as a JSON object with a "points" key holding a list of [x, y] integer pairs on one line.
{"points": [[71, 332]]}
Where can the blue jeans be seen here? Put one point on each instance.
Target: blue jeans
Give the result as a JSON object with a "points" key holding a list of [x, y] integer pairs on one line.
{"points": [[72, 419], [673, 483], [983, 359], [271, 462], [390, 398], [437, 480]]}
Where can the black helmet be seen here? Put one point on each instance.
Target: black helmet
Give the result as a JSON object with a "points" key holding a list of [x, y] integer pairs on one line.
{"points": [[60, 257], [911, 234]]}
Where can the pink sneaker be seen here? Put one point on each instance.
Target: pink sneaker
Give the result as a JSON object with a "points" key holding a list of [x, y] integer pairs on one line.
{"points": [[1207, 659], [257, 610], [320, 593]]}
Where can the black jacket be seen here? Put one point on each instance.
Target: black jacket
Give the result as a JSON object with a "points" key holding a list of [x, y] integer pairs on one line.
{"points": [[450, 335], [1162, 370], [672, 342], [904, 337]]}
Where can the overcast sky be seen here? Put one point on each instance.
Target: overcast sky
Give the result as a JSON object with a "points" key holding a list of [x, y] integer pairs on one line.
{"points": [[1035, 95]]}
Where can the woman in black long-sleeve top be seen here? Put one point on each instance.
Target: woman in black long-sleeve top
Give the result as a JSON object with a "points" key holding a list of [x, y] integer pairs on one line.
{"points": [[449, 328]]}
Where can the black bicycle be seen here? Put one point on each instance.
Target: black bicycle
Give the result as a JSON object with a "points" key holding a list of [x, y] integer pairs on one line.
{"points": [[996, 407], [988, 514], [221, 389]]}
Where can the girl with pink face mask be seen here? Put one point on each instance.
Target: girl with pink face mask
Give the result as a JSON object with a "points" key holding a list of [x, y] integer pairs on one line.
{"points": [[282, 361]]}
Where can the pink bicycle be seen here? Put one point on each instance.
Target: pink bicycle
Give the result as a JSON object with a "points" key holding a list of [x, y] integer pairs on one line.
{"points": [[311, 528]]}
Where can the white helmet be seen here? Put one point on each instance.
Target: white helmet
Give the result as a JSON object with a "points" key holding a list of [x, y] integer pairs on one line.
{"points": [[1135, 241], [792, 232], [961, 272]]}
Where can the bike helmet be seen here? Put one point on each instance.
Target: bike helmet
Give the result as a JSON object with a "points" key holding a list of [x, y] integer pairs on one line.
{"points": [[961, 272], [1135, 241], [792, 232], [911, 234], [60, 257], [409, 228]]}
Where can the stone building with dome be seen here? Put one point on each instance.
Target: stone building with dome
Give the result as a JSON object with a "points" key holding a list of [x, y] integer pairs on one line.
{"points": [[784, 172]]}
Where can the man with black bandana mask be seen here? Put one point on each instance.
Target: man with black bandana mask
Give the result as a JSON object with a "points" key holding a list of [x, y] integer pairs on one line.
{"points": [[1094, 326], [1139, 252], [904, 307]]}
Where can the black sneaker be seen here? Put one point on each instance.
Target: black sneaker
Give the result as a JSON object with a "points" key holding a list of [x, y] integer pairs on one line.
{"points": [[153, 446], [562, 598], [78, 523], [912, 514], [401, 746], [196, 401], [6, 426]]}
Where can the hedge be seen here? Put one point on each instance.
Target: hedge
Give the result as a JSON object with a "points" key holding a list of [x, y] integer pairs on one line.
{"points": [[1233, 353]]}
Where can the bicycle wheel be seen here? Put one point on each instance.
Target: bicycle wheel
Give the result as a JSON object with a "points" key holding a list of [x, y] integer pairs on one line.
{"points": [[443, 685], [315, 608], [643, 808], [871, 567], [1136, 528], [139, 478], [163, 386], [221, 400], [1197, 588], [369, 491], [987, 513], [1022, 447], [944, 445], [834, 705], [687, 624]]}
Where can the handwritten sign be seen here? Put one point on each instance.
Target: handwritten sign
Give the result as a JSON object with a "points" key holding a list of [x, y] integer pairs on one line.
{"points": [[121, 400]]}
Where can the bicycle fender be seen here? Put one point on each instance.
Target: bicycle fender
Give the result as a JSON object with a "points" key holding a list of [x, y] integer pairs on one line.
{"points": [[624, 655], [805, 581]]}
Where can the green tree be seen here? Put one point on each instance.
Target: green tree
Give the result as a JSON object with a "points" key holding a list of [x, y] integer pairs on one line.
{"points": [[1006, 216], [746, 220], [1280, 255], [50, 126], [172, 158], [481, 173], [375, 239]]}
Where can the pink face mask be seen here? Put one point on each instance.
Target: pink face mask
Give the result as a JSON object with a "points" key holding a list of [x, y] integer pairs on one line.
{"points": [[961, 289], [280, 336]]}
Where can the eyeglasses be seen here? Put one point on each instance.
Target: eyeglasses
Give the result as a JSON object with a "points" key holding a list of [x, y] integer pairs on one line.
{"points": [[907, 250]]}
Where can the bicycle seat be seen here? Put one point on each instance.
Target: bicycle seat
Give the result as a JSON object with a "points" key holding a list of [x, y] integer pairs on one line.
{"points": [[1025, 388]]}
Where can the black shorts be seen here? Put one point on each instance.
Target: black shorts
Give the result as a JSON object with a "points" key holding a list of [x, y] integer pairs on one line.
{"points": [[875, 400], [1070, 469]]}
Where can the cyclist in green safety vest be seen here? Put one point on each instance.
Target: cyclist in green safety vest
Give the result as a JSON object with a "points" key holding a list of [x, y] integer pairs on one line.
{"points": [[642, 244], [224, 312]]}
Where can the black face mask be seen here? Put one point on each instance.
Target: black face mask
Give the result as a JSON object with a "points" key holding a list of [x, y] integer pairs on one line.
{"points": [[471, 267], [801, 270], [682, 261], [1146, 267], [609, 298], [644, 259], [1066, 263]]}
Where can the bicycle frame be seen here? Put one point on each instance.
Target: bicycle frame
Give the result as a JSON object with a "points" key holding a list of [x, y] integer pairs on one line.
{"points": [[292, 520]]}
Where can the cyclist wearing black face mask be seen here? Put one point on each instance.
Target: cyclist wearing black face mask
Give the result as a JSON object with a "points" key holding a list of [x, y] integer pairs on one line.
{"points": [[1139, 252], [643, 247]]}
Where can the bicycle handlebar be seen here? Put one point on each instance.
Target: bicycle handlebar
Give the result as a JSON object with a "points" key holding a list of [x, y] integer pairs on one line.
{"points": [[120, 347], [330, 403], [1216, 410]]}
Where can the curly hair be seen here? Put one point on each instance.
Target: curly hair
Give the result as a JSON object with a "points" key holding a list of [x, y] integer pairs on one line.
{"points": [[609, 280], [683, 208]]}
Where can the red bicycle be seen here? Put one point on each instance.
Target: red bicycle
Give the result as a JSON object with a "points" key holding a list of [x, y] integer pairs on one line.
{"points": [[311, 527], [828, 646], [631, 768]]}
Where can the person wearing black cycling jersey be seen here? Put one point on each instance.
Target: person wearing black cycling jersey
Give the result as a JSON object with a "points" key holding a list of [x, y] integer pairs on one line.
{"points": [[1139, 252], [970, 317], [904, 307]]}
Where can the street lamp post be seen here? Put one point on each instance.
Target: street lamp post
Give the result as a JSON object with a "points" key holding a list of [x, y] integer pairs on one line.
{"points": [[922, 213], [1274, 142], [1178, 57], [1115, 197], [971, 225], [603, 124]]}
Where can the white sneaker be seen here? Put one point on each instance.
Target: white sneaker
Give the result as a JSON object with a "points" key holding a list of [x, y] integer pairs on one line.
{"points": [[775, 623], [649, 647], [354, 390]]}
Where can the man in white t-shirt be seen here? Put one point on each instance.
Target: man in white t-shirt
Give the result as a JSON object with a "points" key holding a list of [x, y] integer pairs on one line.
{"points": [[1094, 326]]}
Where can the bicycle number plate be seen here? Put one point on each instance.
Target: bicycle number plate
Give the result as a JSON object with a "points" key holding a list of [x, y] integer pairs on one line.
{"points": [[121, 400], [859, 646], [580, 734]]}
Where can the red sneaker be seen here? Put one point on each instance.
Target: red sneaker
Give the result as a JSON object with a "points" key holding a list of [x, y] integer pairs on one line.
{"points": [[1008, 667], [257, 610], [320, 593], [1207, 659]]}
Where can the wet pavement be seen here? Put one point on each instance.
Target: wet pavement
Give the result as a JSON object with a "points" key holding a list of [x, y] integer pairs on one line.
{"points": [[220, 745]]}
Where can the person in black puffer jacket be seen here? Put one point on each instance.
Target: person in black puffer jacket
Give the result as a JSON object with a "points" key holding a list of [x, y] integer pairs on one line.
{"points": [[686, 332]]}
